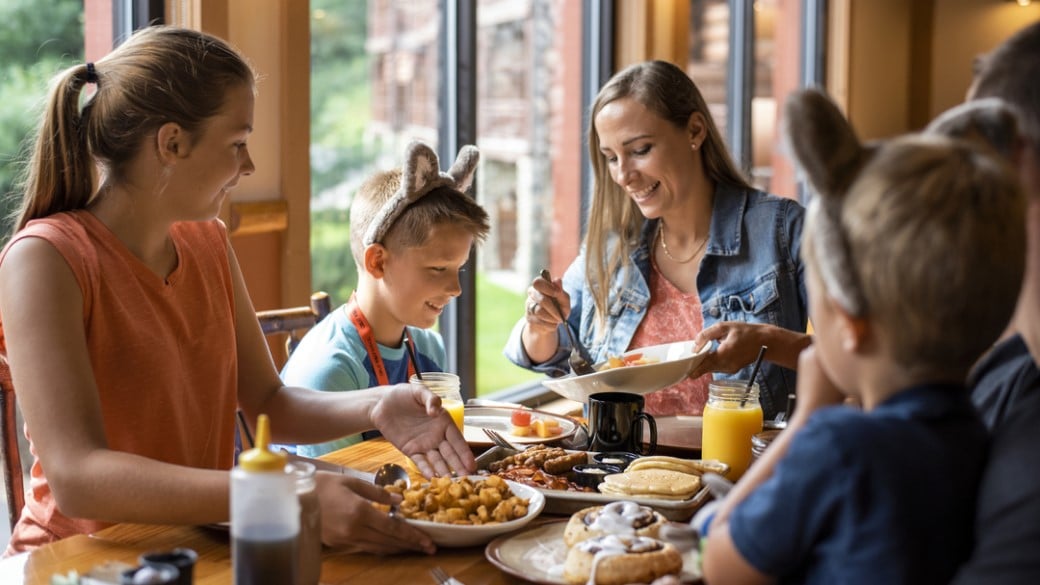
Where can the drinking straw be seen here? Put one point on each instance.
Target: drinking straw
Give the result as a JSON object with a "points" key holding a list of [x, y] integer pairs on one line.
{"points": [[754, 372], [411, 356]]}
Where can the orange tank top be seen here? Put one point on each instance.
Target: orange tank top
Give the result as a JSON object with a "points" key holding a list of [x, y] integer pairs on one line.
{"points": [[162, 351]]}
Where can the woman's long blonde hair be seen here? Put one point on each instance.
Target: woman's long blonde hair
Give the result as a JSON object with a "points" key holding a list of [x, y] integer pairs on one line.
{"points": [[614, 219], [159, 75]]}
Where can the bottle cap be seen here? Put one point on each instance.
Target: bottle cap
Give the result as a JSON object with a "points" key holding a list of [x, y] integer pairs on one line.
{"points": [[260, 458]]}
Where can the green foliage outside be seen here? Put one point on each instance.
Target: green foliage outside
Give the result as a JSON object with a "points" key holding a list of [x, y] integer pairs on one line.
{"points": [[36, 41]]}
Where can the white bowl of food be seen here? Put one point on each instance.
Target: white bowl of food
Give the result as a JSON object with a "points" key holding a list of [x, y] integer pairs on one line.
{"points": [[440, 526], [640, 371]]}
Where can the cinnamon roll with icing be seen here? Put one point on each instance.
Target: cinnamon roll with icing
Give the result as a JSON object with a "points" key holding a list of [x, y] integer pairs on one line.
{"points": [[620, 559], [619, 518]]}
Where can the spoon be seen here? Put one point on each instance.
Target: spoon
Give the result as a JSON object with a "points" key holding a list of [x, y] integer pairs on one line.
{"points": [[388, 474], [579, 360]]}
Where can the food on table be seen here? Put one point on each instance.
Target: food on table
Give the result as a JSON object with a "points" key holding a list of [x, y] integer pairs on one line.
{"points": [[524, 425], [619, 458], [663, 484], [462, 501], [690, 466], [632, 359], [621, 518], [542, 467], [620, 559]]}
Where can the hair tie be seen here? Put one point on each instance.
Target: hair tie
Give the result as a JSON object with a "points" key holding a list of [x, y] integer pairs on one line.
{"points": [[91, 73]]}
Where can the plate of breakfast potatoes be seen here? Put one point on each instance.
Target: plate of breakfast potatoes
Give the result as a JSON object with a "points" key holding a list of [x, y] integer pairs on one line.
{"points": [[469, 510]]}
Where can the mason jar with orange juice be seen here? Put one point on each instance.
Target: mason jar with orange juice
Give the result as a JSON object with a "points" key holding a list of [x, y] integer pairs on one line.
{"points": [[449, 388], [731, 417]]}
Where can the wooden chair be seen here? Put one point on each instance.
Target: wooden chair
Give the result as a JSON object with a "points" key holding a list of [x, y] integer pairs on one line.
{"points": [[295, 322], [14, 480]]}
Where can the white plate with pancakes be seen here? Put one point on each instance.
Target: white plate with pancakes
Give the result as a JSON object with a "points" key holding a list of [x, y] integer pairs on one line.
{"points": [[669, 363], [537, 555]]}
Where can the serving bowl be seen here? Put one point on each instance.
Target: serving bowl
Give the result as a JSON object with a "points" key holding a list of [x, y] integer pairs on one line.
{"points": [[461, 535], [674, 361]]}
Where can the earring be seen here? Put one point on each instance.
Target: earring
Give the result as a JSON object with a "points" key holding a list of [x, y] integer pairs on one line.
{"points": [[693, 145]]}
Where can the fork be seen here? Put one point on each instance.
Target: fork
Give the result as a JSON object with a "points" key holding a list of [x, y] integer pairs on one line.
{"points": [[499, 440], [579, 360], [443, 578]]}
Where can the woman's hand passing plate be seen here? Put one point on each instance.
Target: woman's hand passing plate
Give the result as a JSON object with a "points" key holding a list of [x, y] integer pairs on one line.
{"points": [[499, 418]]}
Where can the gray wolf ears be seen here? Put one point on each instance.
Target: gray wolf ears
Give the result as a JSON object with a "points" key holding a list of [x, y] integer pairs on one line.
{"points": [[421, 174]]}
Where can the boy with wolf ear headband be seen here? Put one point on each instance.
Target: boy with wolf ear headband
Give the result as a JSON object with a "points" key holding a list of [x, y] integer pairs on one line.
{"points": [[411, 231], [915, 254]]}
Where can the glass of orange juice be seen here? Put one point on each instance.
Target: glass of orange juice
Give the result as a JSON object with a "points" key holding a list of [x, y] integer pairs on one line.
{"points": [[731, 418], [449, 388]]}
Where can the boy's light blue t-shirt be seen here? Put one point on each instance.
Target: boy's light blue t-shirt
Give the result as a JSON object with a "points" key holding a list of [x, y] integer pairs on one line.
{"points": [[331, 357]]}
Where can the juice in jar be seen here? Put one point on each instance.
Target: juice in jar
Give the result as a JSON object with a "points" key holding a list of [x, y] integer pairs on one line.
{"points": [[449, 388], [729, 425], [455, 408]]}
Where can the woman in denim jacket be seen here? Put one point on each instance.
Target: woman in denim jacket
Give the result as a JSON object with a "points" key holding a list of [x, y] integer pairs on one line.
{"points": [[687, 245]]}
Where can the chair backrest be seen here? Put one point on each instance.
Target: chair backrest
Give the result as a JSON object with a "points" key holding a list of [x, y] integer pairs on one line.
{"points": [[14, 486], [294, 322]]}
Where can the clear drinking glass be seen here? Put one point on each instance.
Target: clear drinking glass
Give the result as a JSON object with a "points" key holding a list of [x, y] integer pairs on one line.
{"points": [[449, 388], [731, 417]]}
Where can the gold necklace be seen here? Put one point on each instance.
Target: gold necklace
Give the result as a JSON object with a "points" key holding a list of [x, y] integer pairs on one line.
{"points": [[664, 246]]}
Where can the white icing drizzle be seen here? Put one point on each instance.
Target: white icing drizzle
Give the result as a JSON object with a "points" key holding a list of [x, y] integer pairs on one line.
{"points": [[621, 518], [611, 545]]}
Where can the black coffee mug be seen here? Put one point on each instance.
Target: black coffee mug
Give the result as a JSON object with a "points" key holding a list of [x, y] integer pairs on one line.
{"points": [[616, 423]]}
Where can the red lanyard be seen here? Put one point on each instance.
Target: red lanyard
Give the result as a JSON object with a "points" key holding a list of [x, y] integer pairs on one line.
{"points": [[365, 331]]}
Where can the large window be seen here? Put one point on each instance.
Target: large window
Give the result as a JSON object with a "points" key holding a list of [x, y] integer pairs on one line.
{"points": [[513, 76], [376, 86]]}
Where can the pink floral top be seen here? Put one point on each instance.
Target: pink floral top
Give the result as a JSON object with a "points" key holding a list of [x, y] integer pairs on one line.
{"points": [[672, 316]]}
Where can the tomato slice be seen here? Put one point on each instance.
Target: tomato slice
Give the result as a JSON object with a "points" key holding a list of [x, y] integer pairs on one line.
{"points": [[521, 418], [633, 357]]}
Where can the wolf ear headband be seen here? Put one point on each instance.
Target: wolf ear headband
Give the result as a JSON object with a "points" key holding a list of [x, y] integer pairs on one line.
{"points": [[421, 175]]}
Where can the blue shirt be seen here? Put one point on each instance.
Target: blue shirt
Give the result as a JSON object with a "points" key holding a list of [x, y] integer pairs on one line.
{"points": [[332, 357], [751, 272], [879, 497]]}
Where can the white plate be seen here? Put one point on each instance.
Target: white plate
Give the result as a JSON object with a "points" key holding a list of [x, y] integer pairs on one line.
{"points": [[497, 418], [538, 553], [675, 361], [457, 535]]}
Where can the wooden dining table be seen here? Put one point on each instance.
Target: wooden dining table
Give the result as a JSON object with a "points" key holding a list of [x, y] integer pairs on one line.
{"points": [[124, 543]]}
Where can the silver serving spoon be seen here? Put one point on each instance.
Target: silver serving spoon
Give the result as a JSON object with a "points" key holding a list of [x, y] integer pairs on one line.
{"points": [[388, 474]]}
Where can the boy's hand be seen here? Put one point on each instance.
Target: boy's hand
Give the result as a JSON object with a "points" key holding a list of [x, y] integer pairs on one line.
{"points": [[815, 389], [411, 417]]}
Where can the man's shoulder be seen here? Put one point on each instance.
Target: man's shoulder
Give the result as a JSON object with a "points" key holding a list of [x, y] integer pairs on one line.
{"points": [[1001, 379]]}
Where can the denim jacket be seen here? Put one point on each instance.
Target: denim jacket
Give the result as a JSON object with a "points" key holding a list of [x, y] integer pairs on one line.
{"points": [[752, 271]]}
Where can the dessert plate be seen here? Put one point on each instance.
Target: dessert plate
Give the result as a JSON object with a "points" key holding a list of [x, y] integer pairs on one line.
{"points": [[498, 418], [537, 554]]}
